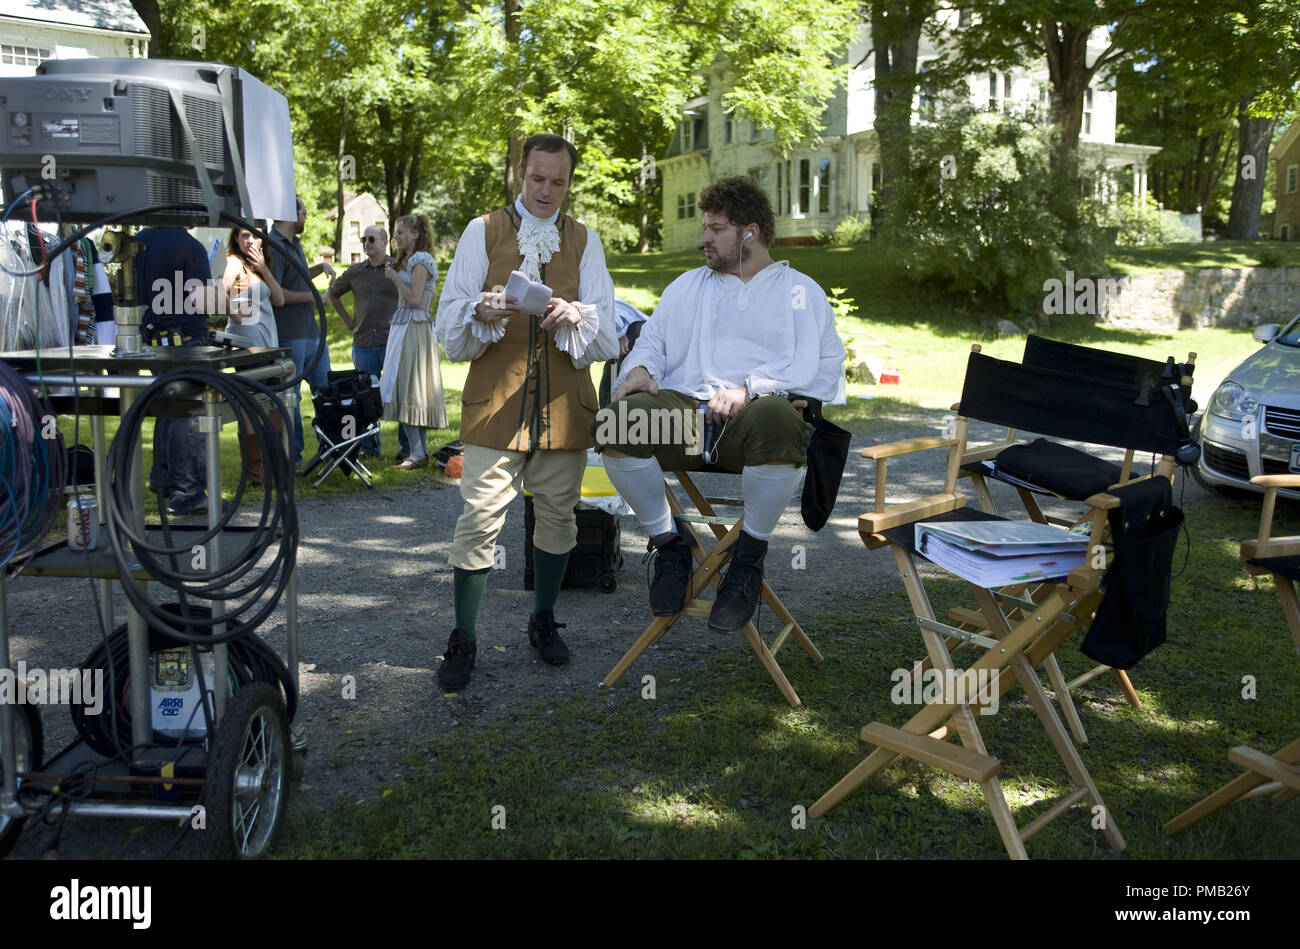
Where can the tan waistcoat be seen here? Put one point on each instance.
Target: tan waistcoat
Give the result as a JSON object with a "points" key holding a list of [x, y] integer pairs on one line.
{"points": [[523, 394]]}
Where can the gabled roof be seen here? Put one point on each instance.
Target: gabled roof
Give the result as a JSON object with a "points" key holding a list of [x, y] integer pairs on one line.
{"points": [[349, 199], [116, 15], [1285, 142]]}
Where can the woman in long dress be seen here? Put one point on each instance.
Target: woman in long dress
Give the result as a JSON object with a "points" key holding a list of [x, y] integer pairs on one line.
{"points": [[411, 385], [251, 291]]}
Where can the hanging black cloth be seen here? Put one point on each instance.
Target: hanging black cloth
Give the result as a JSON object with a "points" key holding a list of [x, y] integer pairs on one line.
{"points": [[1131, 619], [828, 452]]}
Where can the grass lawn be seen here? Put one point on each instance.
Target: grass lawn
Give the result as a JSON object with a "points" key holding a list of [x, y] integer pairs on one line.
{"points": [[715, 766]]}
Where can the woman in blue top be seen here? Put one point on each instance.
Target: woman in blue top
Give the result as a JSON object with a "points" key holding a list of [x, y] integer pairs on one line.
{"points": [[411, 385]]}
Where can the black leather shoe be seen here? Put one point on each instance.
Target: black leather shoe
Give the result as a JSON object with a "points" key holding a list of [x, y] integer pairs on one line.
{"points": [[741, 586], [672, 576], [457, 661], [544, 635]]}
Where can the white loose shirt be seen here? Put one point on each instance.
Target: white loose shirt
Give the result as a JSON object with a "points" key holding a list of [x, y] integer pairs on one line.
{"points": [[713, 331], [464, 288]]}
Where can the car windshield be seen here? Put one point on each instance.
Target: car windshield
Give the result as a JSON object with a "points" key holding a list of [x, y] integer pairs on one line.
{"points": [[1291, 335]]}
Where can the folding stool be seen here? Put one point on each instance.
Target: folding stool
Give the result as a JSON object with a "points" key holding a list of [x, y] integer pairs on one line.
{"points": [[348, 402], [1279, 773]]}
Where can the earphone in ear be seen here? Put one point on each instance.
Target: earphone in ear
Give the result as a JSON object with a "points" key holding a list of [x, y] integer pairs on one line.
{"points": [[748, 235]]}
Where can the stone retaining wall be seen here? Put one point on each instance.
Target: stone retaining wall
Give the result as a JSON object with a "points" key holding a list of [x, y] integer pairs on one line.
{"points": [[1168, 300]]}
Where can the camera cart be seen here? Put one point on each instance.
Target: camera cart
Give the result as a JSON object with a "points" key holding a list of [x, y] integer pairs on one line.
{"points": [[241, 772]]}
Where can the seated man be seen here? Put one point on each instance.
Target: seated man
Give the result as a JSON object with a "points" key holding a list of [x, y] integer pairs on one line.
{"points": [[737, 335]]}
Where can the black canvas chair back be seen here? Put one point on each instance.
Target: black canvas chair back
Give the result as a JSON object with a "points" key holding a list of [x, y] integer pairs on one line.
{"points": [[348, 410], [1066, 405], [348, 394], [1121, 368]]}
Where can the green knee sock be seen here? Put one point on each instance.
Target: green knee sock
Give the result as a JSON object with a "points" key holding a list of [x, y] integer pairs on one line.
{"points": [[467, 589], [548, 574]]}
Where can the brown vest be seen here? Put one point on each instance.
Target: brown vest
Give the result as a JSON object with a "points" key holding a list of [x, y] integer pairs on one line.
{"points": [[523, 394]]}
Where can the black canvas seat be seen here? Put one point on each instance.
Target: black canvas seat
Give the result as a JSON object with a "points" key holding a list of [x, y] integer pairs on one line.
{"points": [[348, 410], [1288, 567]]}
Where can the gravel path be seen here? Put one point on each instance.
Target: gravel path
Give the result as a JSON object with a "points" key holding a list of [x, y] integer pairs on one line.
{"points": [[375, 603]]}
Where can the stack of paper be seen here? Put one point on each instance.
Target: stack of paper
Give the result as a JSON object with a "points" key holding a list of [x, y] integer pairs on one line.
{"points": [[998, 553]]}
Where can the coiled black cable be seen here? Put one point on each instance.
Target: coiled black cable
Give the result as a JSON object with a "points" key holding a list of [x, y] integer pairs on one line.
{"points": [[249, 660], [242, 585], [33, 466]]}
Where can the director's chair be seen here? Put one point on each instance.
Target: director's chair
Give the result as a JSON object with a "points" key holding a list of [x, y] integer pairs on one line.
{"points": [[708, 571], [1279, 773], [1153, 420], [348, 410], [1018, 626]]}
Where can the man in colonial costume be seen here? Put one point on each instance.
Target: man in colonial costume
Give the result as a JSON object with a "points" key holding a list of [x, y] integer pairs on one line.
{"points": [[528, 402]]}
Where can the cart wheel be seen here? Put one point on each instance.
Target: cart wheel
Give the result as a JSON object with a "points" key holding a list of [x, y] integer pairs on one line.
{"points": [[28, 748], [608, 583], [247, 784]]}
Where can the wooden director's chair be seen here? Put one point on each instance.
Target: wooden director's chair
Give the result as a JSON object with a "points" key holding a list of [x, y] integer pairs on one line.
{"points": [[1019, 626], [1279, 773], [1045, 468], [708, 571]]}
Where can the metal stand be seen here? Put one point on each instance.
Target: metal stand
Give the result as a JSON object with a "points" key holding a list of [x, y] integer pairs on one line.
{"points": [[150, 765]]}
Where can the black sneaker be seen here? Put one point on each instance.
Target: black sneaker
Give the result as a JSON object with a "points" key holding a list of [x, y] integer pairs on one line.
{"points": [[741, 586], [457, 661], [544, 635], [673, 564]]}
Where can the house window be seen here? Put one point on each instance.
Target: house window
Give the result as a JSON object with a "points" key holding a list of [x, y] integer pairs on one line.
{"points": [[1292, 178], [1087, 111], [805, 187], [686, 206], [824, 186], [1284, 232], [356, 258], [925, 100], [784, 187], [354, 228], [23, 55], [688, 136], [999, 91], [726, 128], [753, 131]]}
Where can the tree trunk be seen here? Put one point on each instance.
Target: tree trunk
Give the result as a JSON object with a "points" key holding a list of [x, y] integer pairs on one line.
{"points": [[1067, 66], [1254, 135], [412, 181], [338, 173], [643, 203], [514, 143], [896, 36]]}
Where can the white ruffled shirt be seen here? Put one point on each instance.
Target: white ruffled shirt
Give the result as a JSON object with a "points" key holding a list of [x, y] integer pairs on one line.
{"points": [[465, 338], [713, 331]]}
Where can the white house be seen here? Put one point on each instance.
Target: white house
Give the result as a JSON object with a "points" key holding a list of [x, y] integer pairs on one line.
{"points": [[32, 31], [815, 187]]}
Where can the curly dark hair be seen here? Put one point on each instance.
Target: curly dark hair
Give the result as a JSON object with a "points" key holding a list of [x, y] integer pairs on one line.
{"points": [[743, 202]]}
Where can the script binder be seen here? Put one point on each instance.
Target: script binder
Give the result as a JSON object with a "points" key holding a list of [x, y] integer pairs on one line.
{"points": [[999, 553]]}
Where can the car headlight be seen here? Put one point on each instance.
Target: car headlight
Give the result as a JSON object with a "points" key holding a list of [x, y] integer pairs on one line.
{"points": [[1232, 402]]}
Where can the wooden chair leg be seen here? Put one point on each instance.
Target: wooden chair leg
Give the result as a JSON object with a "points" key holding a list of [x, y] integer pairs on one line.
{"points": [[1126, 686], [1057, 678], [1232, 791]]}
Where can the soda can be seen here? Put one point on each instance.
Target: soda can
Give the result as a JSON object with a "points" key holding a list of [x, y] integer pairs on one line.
{"points": [[83, 522]]}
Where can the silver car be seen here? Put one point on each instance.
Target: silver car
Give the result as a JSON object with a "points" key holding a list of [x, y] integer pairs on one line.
{"points": [[1251, 425]]}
